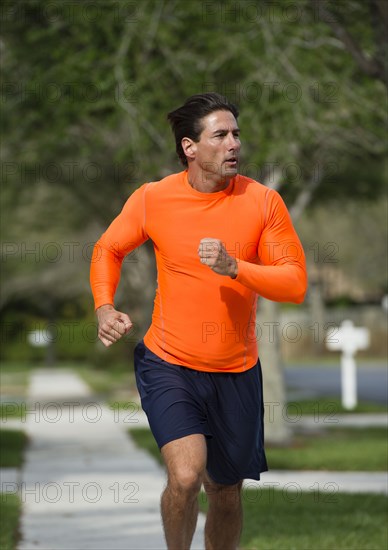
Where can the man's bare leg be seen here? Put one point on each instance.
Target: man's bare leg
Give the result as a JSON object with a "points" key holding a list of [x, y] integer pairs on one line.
{"points": [[224, 517], [185, 459]]}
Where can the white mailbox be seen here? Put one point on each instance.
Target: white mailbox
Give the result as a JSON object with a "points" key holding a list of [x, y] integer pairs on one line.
{"points": [[348, 339]]}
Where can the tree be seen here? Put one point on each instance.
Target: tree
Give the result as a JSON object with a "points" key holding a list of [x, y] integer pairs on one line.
{"points": [[89, 86]]}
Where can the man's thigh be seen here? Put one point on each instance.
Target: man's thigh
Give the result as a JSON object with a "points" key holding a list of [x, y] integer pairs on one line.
{"points": [[185, 458]]}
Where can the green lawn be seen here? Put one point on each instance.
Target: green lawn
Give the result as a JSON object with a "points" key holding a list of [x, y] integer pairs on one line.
{"points": [[145, 440], [274, 520], [349, 449], [10, 508], [116, 383], [12, 445], [333, 449], [14, 379], [16, 367], [13, 409]]}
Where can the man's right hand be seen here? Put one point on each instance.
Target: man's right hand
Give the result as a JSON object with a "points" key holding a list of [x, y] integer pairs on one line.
{"points": [[112, 324]]}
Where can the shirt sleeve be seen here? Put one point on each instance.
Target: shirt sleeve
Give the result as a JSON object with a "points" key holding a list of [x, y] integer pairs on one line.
{"points": [[124, 234], [280, 274]]}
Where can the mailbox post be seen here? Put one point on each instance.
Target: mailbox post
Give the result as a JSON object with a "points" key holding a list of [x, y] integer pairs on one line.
{"points": [[349, 339]]}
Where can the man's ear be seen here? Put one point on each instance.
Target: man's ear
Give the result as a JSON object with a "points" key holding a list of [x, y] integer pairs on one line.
{"points": [[189, 147]]}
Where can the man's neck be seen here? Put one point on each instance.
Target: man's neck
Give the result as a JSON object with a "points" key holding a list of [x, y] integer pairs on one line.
{"points": [[207, 183]]}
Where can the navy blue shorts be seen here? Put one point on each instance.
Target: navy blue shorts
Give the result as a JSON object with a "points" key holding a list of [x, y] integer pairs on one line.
{"points": [[227, 408]]}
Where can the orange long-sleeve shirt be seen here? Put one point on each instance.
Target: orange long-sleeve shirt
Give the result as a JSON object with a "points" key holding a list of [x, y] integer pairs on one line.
{"points": [[201, 319]]}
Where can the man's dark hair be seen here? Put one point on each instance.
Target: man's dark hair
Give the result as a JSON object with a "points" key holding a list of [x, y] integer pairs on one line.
{"points": [[186, 120]]}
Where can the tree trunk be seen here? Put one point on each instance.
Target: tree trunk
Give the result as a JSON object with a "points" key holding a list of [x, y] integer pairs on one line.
{"points": [[277, 430], [317, 311], [51, 351]]}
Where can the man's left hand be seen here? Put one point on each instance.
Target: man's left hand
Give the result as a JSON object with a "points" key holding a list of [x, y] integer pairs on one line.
{"points": [[212, 253]]}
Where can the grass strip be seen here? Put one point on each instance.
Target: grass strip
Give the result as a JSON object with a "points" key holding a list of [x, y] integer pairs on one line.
{"points": [[10, 509], [13, 409], [283, 520], [12, 446], [109, 382], [145, 440], [335, 449]]}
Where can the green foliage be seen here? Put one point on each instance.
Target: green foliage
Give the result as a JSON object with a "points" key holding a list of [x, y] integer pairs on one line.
{"points": [[73, 339], [87, 87], [100, 94], [70, 333], [10, 510], [12, 446]]}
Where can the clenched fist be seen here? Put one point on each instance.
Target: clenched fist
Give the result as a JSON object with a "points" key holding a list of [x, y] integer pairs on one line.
{"points": [[212, 253], [112, 324]]}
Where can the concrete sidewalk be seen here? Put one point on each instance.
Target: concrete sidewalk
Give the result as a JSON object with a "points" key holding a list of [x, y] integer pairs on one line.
{"points": [[85, 485], [326, 484], [348, 420]]}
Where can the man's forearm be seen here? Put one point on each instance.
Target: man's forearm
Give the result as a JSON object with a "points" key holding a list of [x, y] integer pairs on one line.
{"points": [[281, 283], [105, 271]]}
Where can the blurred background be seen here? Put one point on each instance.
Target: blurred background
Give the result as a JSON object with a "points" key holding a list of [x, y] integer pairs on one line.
{"points": [[86, 88], [85, 93]]}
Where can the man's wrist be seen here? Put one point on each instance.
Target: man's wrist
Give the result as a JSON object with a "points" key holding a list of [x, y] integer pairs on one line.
{"points": [[105, 306], [233, 269]]}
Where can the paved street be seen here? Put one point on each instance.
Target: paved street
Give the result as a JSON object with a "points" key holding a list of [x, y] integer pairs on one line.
{"points": [[314, 381]]}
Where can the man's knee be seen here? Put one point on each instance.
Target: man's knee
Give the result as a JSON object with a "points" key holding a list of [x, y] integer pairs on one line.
{"points": [[185, 459], [185, 480]]}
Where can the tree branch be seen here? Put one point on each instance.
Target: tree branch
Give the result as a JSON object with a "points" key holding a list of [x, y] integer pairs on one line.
{"points": [[370, 67], [123, 86], [305, 196]]}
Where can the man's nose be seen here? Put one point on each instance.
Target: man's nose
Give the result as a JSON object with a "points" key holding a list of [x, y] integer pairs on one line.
{"points": [[233, 142]]}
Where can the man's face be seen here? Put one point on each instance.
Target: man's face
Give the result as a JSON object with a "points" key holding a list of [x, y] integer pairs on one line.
{"points": [[218, 149]]}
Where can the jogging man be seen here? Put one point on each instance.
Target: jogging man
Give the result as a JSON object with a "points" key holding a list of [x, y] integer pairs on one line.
{"points": [[220, 239]]}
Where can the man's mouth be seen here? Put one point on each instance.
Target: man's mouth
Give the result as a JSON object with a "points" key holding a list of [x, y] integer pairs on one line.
{"points": [[232, 160]]}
